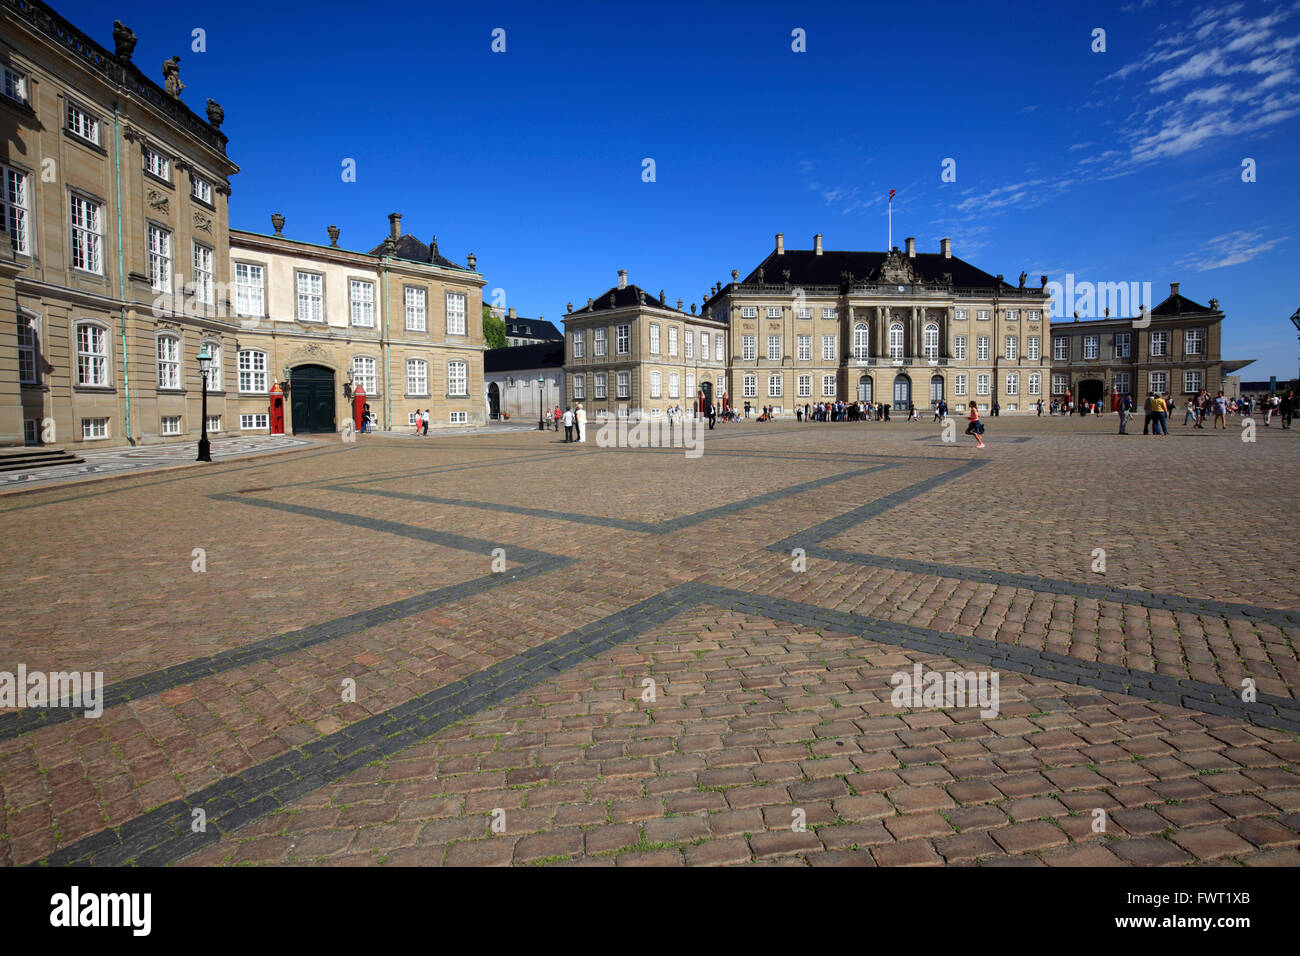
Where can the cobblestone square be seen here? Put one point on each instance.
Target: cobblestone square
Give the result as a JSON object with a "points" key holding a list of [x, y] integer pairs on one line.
{"points": [[499, 649]]}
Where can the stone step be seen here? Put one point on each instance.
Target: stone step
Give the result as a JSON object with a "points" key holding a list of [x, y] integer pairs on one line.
{"points": [[26, 459]]}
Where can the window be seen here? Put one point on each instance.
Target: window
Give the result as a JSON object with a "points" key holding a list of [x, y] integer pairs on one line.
{"points": [[1193, 341], [981, 348], [981, 384], [1123, 344], [160, 258], [717, 348], [959, 315], [169, 362], [1122, 384], [363, 373], [361, 303], [1060, 349], [1013, 315], [690, 385], [656, 384], [1159, 343], [171, 425], [690, 344], [896, 341], [92, 356], [804, 343], [828, 313], [804, 313], [410, 418], [674, 385], [861, 343], [579, 344], [1091, 346], [1058, 384], [1192, 381], [959, 384], [86, 239], [417, 377], [1012, 347], [623, 342], [704, 346], [82, 124], [598, 341], [458, 379], [931, 346], [805, 386], [93, 428], [748, 312], [27, 350], [828, 386], [416, 302], [774, 312], [157, 164], [982, 315], [602, 387], [1035, 383], [214, 423], [250, 296], [672, 341], [1013, 384], [1032, 348], [774, 348], [1033, 315], [13, 208], [200, 188], [748, 347], [654, 338], [204, 278], [252, 370], [15, 85], [624, 384], [774, 386], [959, 347], [750, 386], [459, 418], [253, 421], [1160, 382], [455, 313], [579, 386], [213, 371]]}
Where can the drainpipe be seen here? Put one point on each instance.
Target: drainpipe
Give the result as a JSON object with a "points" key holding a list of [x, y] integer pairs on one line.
{"points": [[388, 354], [121, 274]]}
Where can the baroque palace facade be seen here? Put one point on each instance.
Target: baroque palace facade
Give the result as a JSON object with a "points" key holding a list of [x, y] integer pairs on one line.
{"points": [[117, 265], [816, 325]]}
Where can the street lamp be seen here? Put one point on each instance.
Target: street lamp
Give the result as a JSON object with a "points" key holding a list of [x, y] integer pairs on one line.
{"points": [[1295, 319], [541, 384], [205, 447]]}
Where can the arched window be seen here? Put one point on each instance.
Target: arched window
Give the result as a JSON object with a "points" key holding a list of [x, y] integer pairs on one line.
{"points": [[896, 340], [932, 342], [936, 388], [92, 355], [864, 389], [213, 373], [861, 350]]}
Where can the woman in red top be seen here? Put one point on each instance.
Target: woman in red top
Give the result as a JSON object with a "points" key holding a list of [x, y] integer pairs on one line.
{"points": [[976, 427]]}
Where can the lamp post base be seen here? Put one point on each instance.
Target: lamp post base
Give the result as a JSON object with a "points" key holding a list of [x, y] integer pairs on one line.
{"points": [[205, 449]]}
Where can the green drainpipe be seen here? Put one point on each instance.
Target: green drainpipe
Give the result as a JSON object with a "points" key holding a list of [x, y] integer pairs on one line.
{"points": [[121, 275], [388, 355]]}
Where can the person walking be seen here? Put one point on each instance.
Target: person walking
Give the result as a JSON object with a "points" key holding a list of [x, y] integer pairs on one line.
{"points": [[1220, 412], [1150, 413], [418, 421], [1125, 413], [580, 422], [568, 424], [1287, 408], [713, 415], [1160, 412], [976, 427], [557, 418]]}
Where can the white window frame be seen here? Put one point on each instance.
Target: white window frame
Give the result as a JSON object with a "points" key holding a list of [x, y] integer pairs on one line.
{"points": [[94, 429], [80, 122], [982, 315], [87, 234], [717, 348], [654, 338], [205, 278], [1035, 383], [1193, 341], [600, 387], [896, 341], [623, 340], [804, 313], [1160, 344], [599, 338], [656, 384], [159, 241], [1123, 385], [254, 421], [674, 385], [959, 384], [749, 311], [1033, 348], [672, 341], [774, 348], [829, 312], [959, 315], [365, 374], [1163, 379], [170, 425], [92, 355], [688, 344], [775, 384], [361, 303], [457, 379], [250, 288], [981, 348], [579, 343], [1091, 346], [931, 339], [1013, 384], [1193, 381], [156, 163], [1011, 347], [168, 353], [981, 384], [804, 386], [1060, 349], [201, 188], [959, 347], [1123, 344], [749, 348], [28, 337], [14, 212], [251, 364], [15, 85], [803, 344], [828, 386], [457, 312], [415, 305], [750, 385], [861, 344], [623, 383], [1060, 383], [417, 378], [774, 312], [579, 387]]}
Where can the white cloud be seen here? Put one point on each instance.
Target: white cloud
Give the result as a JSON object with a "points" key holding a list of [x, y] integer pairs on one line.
{"points": [[1231, 249]]}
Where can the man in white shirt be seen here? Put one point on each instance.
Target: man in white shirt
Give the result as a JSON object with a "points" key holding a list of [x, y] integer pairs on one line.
{"points": [[580, 422], [568, 424]]}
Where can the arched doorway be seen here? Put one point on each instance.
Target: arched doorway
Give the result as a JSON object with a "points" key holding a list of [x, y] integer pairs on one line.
{"points": [[312, 399], [706, 391], [864, 389], [902, 392], [1091, 390], [494, 401], [936, 389]]}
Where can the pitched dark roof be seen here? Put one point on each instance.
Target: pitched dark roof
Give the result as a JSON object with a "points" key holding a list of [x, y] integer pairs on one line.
{"points": [[630, 295], [1179, 305], [413, 250], [537, 328], [808, 268], [519, 357]]}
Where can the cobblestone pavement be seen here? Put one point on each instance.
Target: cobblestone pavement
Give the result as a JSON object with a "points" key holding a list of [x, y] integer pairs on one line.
{"points": [[569, 654]]}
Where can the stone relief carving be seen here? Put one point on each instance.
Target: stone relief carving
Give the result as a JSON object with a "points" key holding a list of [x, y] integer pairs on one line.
{"points": [[157, 199], [202, 222]]}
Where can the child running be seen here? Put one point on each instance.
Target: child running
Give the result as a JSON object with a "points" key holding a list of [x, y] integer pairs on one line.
{"points": [[976, 427]]}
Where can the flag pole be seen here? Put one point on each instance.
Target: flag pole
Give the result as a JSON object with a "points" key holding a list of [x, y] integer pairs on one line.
{"points": [[890, 247]]}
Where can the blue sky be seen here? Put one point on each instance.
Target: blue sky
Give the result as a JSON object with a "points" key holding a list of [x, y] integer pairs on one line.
{"points": [[1122, 166]]}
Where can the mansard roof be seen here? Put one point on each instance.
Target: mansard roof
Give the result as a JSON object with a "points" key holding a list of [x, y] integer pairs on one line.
{"points": [[807, 268]]}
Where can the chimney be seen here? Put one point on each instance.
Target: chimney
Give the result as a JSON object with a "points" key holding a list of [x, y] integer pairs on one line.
{"points": [[622, 278], [945, 247], [780, 243], [395, 225], [911, 247], [1173, 288], [512, 313], [817, 244]]}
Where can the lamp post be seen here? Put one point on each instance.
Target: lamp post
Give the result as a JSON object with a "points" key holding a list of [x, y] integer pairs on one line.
{"points": [[205, 447], [541, 384], [1295, 320]]}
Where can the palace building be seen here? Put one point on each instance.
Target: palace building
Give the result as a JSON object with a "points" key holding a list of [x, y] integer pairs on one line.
{"points": [[1174, 349]]}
